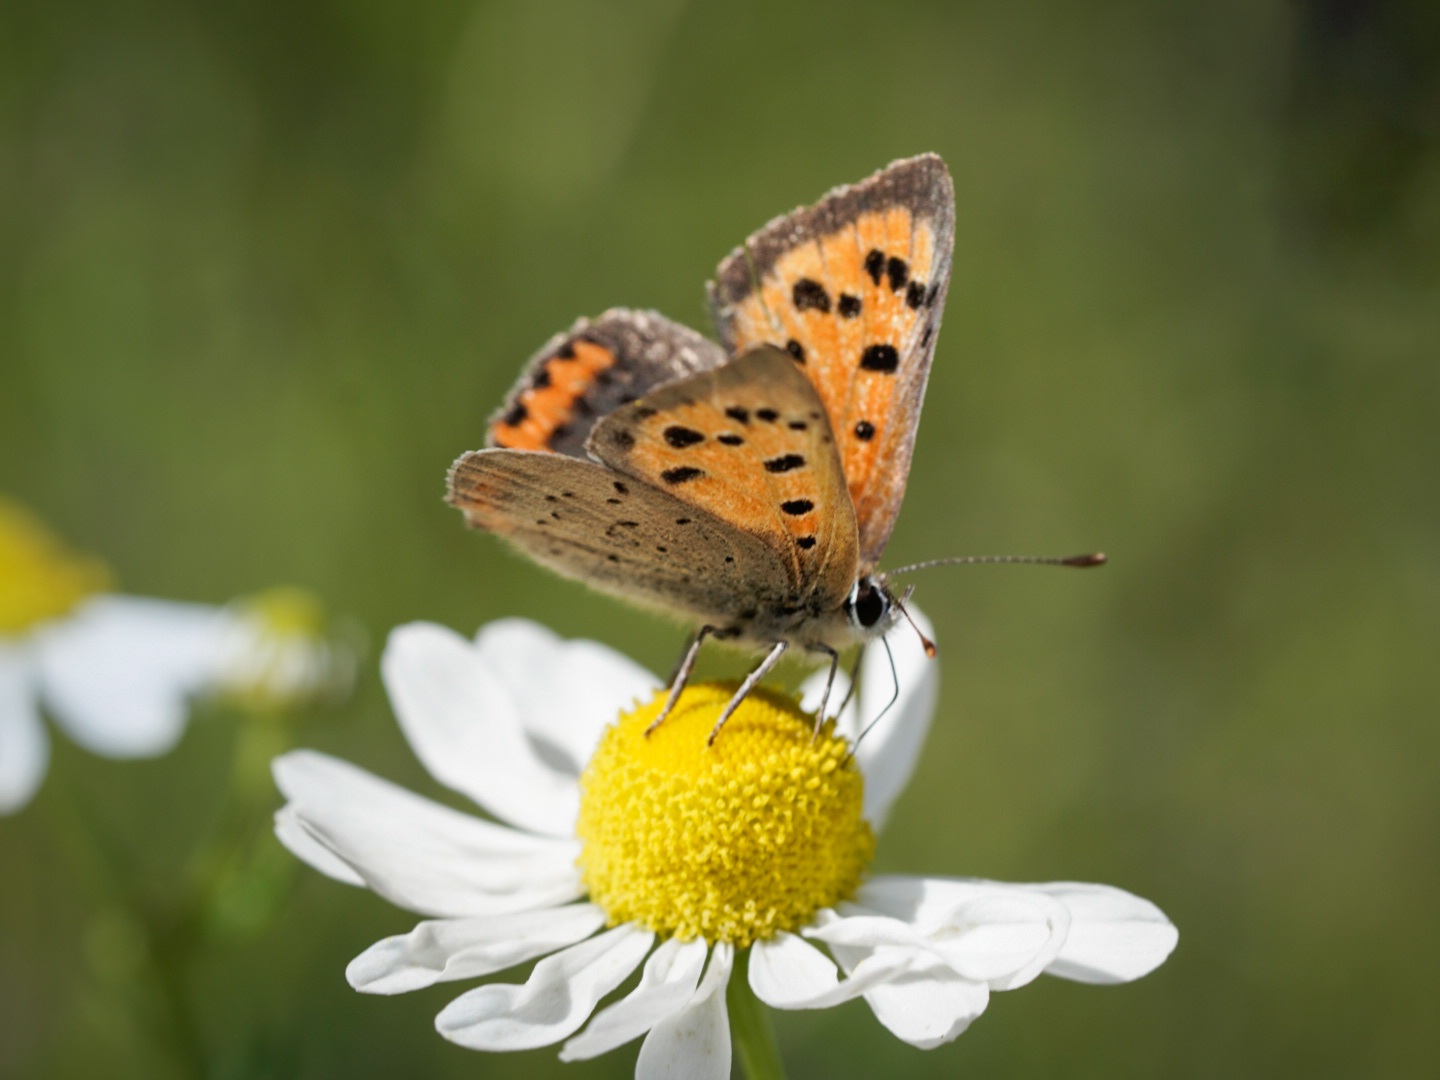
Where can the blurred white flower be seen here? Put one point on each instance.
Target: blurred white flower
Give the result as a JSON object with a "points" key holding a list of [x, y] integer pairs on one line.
{"points": [[619, 849], [277, 650], [118, 673]]}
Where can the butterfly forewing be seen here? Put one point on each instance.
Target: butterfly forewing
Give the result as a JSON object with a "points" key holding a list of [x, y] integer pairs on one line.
{"points": [[750, 443], [588, 371], [853, 288], [619, 534]]}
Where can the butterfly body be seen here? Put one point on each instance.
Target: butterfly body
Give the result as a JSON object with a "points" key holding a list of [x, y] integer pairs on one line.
{"points": [[747, 487]]}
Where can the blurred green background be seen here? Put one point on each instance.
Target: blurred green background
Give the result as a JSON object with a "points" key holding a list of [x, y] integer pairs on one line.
{"points": [[266, 268]]}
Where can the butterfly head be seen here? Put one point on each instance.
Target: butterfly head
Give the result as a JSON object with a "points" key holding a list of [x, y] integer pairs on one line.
{"points": [[871, 607]]}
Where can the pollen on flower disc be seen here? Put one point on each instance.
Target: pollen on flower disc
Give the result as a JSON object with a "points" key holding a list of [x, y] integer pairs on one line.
{"points": [[732, 842]]}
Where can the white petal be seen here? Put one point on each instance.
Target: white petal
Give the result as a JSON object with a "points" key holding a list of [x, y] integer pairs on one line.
{"points": [[419, 854], [1114, 937], [119, 671], [291, 832], [24, 745], [999, 934], [667, 985], [787, 972], [464, 723], [927, 1006], [558, 997], [1005, 939], [920, 900], [447, 949], [695, 1042], [567, 691], [888, 754]]}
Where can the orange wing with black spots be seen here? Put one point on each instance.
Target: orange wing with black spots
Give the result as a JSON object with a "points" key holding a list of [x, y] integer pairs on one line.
{"points": [[590, 370], [750, 443], [853, 289]]}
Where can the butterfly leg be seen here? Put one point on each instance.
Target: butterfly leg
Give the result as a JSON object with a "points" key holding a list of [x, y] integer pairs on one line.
{"points": [[681, 676], [829, 685], [894, 697], [751, 681], [854, 679]]}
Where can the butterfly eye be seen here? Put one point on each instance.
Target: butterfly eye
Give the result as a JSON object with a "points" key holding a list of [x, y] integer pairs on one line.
{"points": [[868, 603]]}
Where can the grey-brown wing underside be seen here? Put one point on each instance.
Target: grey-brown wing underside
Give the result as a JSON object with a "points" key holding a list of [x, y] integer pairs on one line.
{"points": [[589, 371], [587, 522]]}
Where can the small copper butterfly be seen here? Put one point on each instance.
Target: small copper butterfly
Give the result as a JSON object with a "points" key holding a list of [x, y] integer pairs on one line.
{"points": [[748, 487]]}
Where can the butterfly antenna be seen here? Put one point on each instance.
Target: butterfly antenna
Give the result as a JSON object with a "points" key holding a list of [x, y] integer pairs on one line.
{"points": [[894, 697], [925, 642], [1094, 558]]}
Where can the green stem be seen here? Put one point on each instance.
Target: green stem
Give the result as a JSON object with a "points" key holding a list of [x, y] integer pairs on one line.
{"points": [[750, 1026]]}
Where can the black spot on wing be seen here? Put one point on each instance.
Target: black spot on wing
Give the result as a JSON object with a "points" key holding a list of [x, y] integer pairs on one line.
{"points": [[849, 306], [915, 294], [516, 415], [806, 542], [809, 295], [730, 439], [625, 440], [881, 358], [768, 415], [680, 437], [796, 507], [621, 488], [784, 463], [898, 272], [681, 474], [875, 264], [795, 349], [738, 413], [864, 430]]}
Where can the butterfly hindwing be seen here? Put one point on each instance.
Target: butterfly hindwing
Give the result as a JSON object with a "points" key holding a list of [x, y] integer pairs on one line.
{"points": [[750, 443], [588, 371], [587, 522], [853, 288]]}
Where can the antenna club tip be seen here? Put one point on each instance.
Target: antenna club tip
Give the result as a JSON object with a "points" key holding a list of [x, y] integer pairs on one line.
{"points": [[930, 649], [1095, 558]]}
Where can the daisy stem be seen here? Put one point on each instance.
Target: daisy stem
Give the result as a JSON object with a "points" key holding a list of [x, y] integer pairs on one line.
{"points": [[750, 1026]]}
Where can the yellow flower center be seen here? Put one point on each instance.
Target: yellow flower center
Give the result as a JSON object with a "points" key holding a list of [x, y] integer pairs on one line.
{"points": [[733, 842], [39, 577]]}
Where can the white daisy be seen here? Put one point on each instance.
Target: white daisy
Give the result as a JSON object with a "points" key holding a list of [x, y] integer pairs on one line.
{"points": [[622, 854], [116, 672]]}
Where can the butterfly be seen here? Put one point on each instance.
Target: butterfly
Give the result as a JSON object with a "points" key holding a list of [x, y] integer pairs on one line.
{"points": [[748, 486]]}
